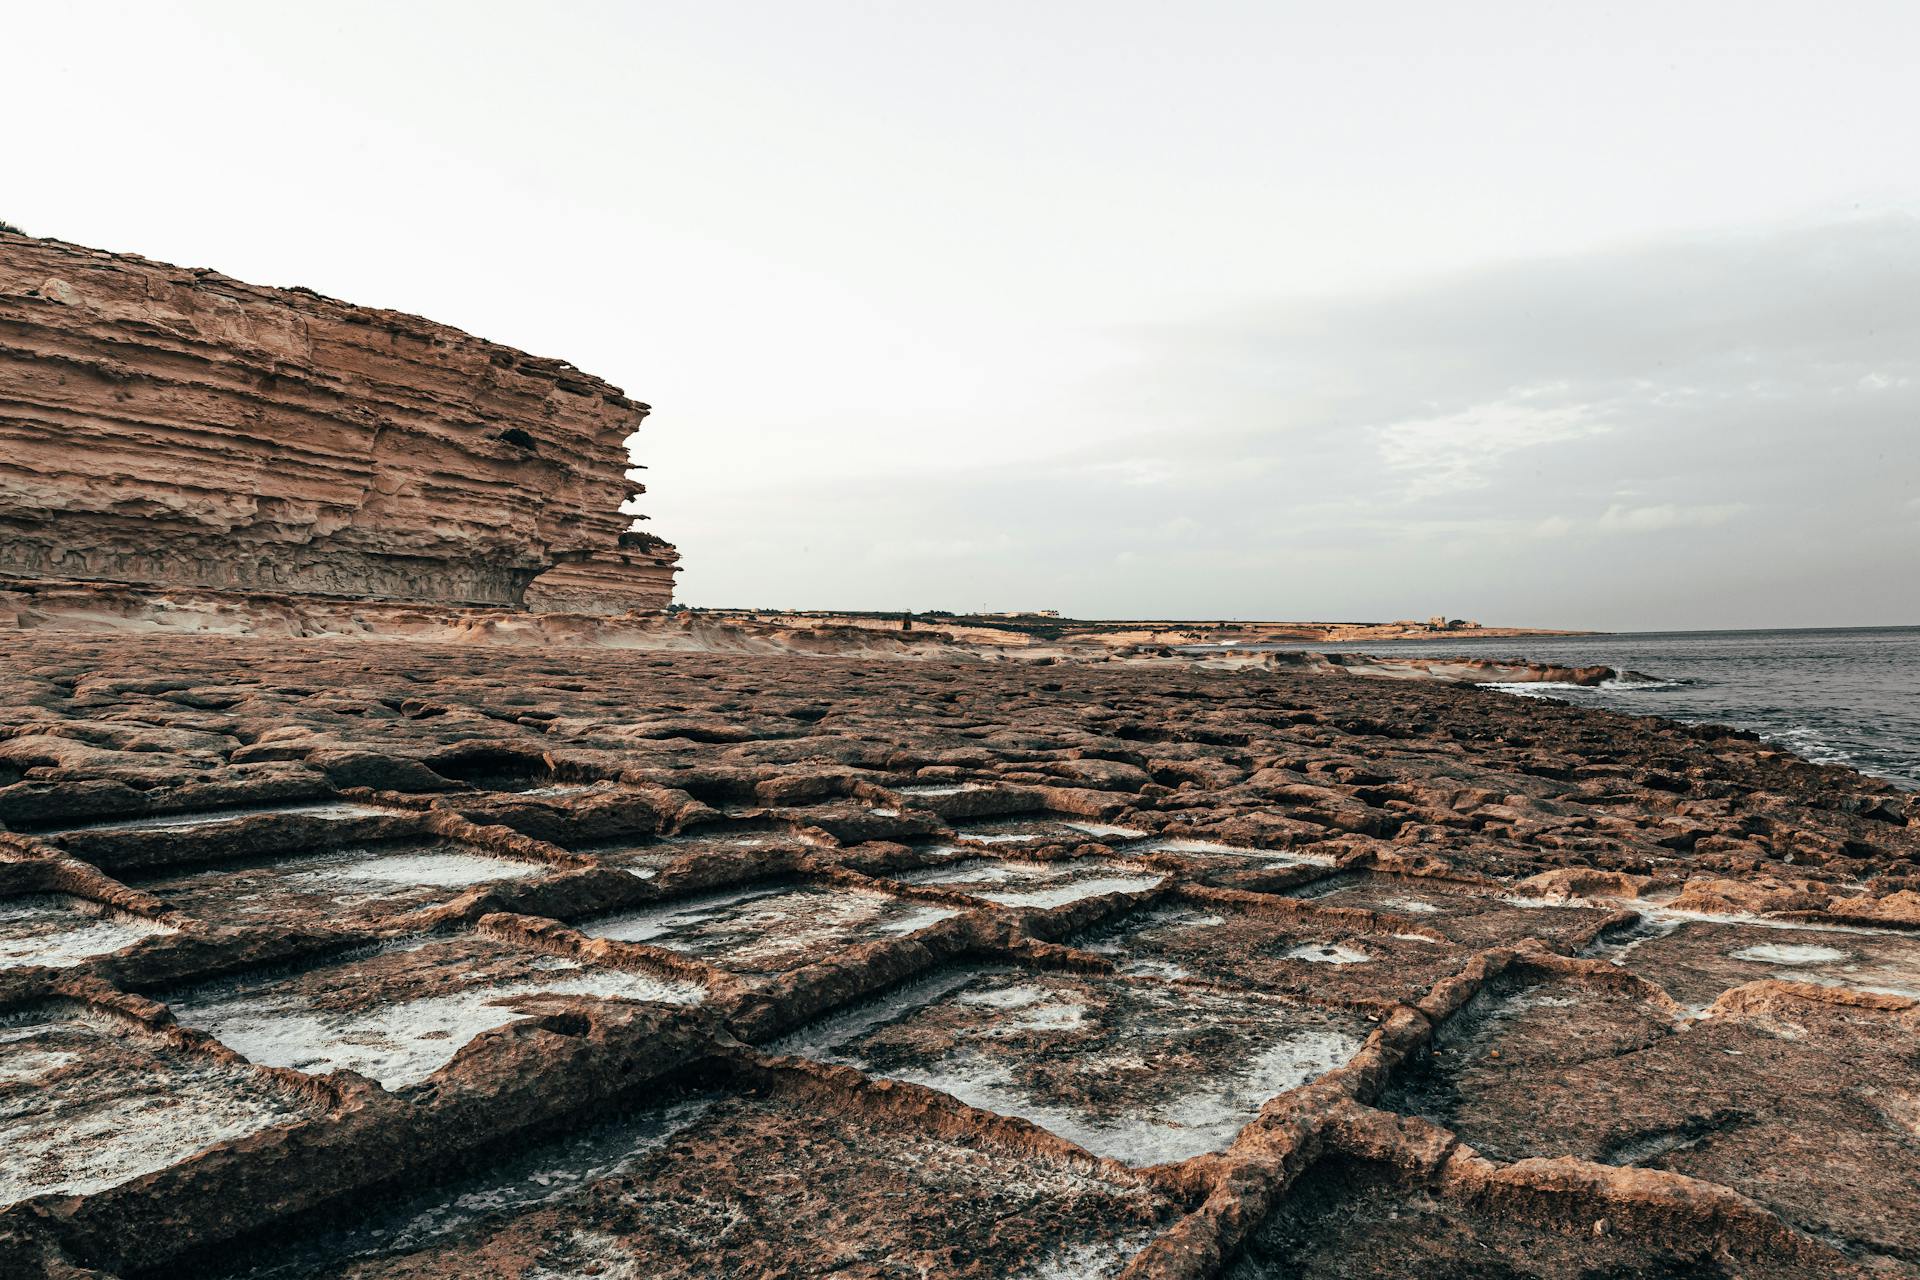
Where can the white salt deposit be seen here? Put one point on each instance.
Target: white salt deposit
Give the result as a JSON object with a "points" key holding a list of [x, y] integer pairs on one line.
{"points": [[140, 1108], [1106, 830], [771, 927], [511, 1183], [1164, 969], [1214, 849], [818, 1039], [404, 1042], [1788, 954], [1205, 1118], [1018, 996], [938, 789], [55, 930], [328, 810], [1087, 1261], [914, 920], [1033, 884], [1049, 830], [586, 1252], [649, 924], [439, 868], [1325, 953], [1073, 891], [972, 871]]}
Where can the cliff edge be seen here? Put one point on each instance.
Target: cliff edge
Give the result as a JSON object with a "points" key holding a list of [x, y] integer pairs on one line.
{"points": [[176, 427]]}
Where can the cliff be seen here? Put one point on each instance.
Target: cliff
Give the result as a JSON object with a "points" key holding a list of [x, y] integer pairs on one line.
{"points": [[174, 426]]}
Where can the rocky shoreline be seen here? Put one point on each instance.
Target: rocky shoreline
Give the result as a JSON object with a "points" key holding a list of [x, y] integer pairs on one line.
{"points": [[427, 960]]}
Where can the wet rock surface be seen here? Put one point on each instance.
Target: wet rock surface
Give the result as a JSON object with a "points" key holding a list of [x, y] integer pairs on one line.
{"points": [[330, 959]]}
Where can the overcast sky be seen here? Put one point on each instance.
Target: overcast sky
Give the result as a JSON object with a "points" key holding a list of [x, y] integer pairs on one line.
{"points": [[1565, 315]]}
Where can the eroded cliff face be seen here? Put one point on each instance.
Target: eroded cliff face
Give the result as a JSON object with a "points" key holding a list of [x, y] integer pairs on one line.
{"points": [[173, 426]]}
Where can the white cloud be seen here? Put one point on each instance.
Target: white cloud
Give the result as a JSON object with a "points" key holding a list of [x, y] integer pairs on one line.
{"points": [[1462, 450], [1623, 519], [1137, 472]]}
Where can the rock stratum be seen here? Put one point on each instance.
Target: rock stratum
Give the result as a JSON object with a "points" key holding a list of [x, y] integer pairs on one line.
{"points": [[176, 427]]}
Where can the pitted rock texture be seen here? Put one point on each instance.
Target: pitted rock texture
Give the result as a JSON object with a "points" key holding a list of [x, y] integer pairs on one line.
{"points": [[372, 960], [176, 427]]}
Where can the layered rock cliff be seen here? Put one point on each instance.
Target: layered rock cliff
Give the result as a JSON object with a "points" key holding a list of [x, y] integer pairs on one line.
{"points": [[175, 426]]}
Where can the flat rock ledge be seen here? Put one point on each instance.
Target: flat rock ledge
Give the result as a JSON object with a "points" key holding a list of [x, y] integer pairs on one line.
{"points": [[434, 960]]}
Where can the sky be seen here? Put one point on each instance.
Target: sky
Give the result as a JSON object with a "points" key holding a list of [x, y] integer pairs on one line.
{"points": [[1554, 315]]}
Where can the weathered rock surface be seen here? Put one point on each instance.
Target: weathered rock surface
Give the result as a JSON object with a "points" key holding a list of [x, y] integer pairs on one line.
{"points": [[325, 960], [176, 427]]}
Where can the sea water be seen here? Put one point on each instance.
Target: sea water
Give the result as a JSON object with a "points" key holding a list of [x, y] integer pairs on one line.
{"points": [[1843, 696]]}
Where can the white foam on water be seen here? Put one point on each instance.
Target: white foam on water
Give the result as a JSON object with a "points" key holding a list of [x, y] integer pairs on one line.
{"points": [[50, 930], [1788, 954], [404, 1042], [1532, 688]]}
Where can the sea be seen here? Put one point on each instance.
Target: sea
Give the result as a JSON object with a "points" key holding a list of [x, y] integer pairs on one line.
{"points": [[1847, 696]]}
